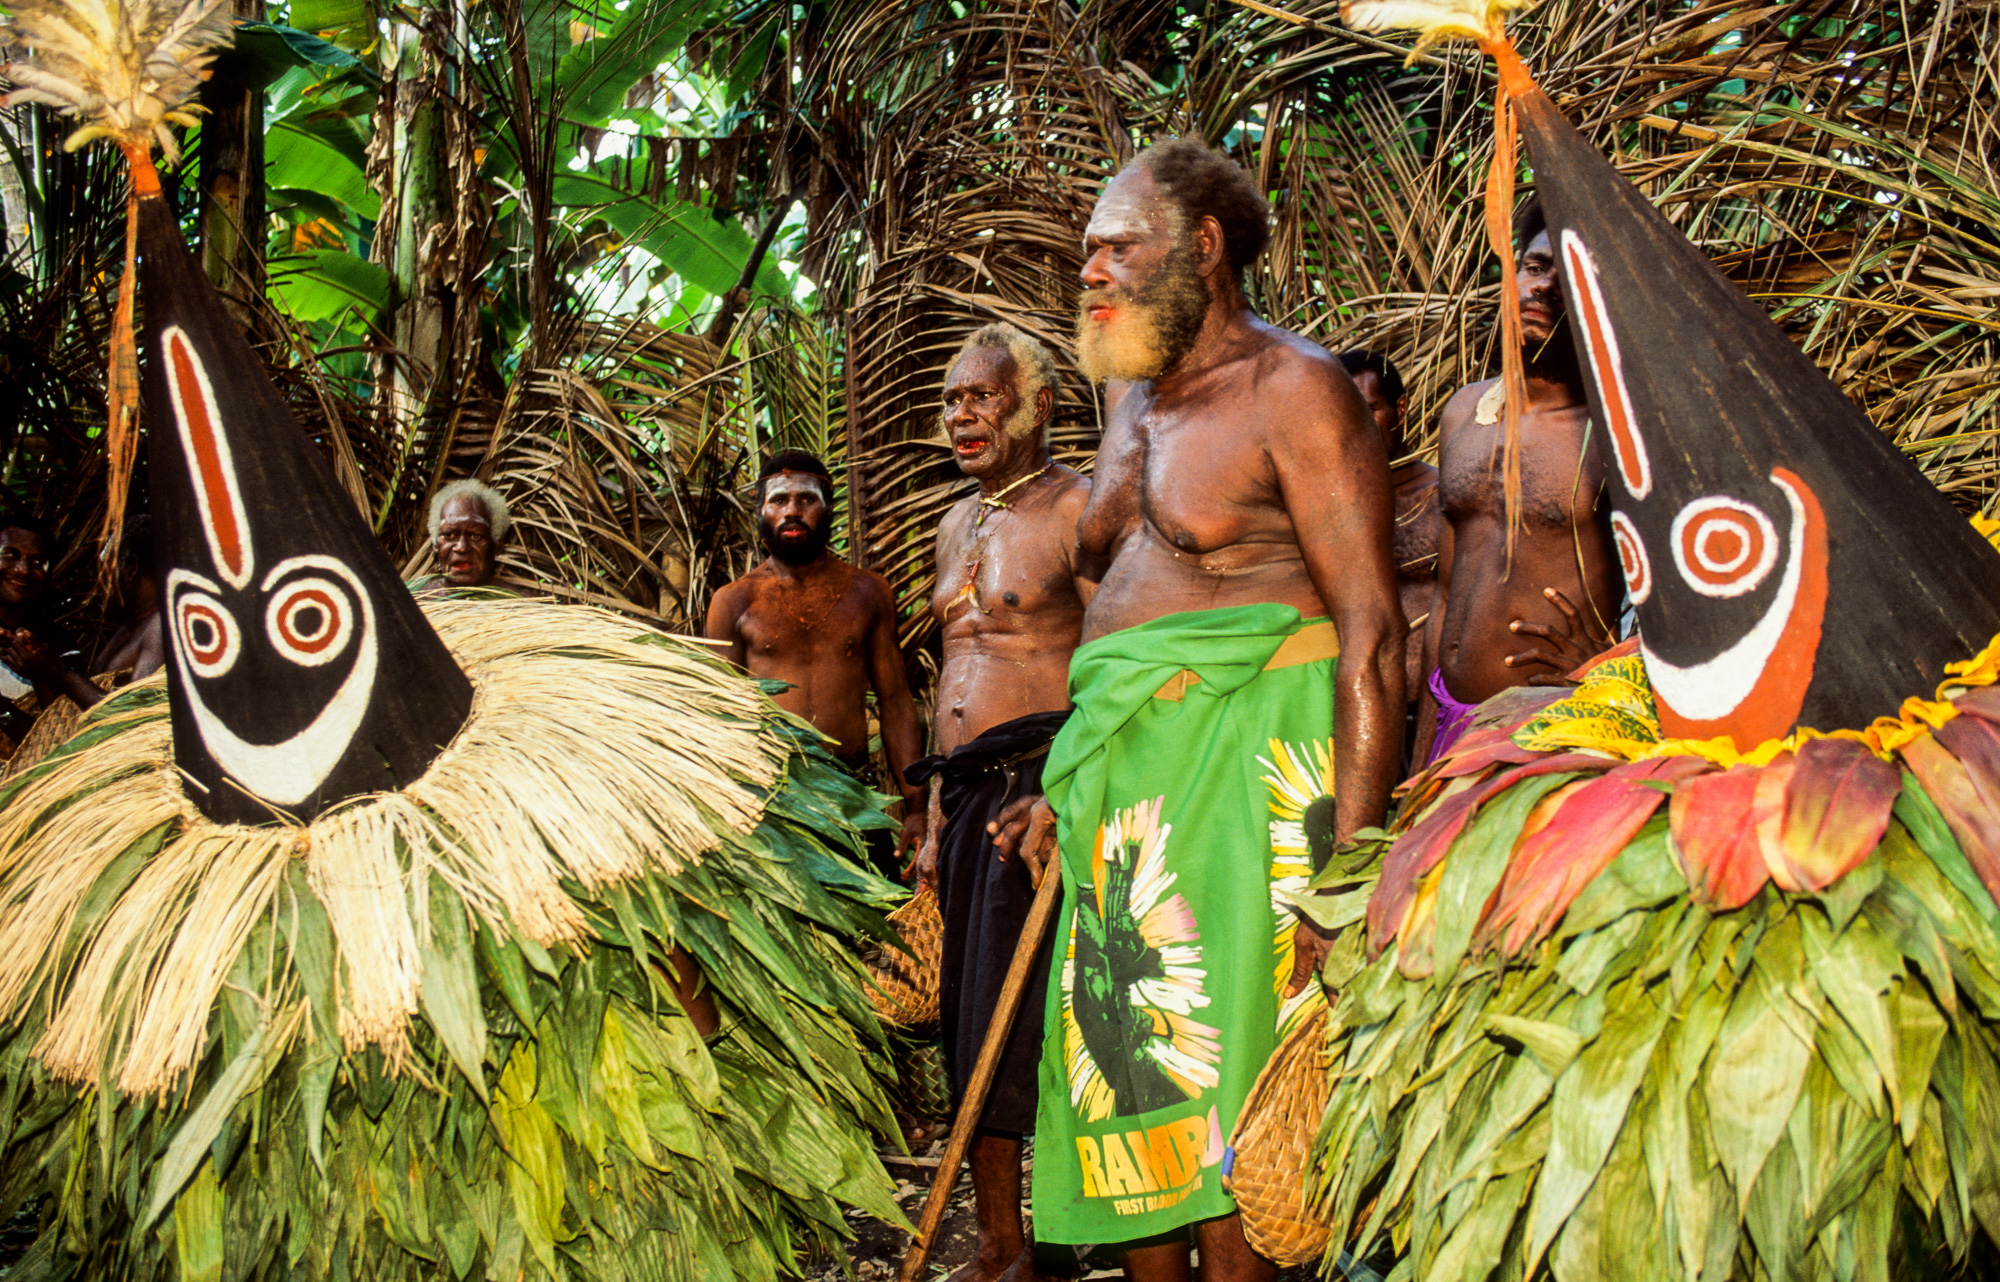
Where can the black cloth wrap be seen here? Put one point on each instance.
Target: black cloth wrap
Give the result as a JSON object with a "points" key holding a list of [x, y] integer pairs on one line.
{"points": [[984, 903]]}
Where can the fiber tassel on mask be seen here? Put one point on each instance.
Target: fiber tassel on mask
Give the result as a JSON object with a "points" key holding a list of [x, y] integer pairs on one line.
{"points": [[126, 69], [1484, 21], [121, 385]]}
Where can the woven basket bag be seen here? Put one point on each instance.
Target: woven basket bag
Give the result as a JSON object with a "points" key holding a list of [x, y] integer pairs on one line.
{"points": [[907, 983], [1272, 1139]]}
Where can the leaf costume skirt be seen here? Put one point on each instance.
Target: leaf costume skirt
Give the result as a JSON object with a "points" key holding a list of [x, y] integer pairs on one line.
{"points": [[1191, 784], [431, 1034], [1634, 1008]]}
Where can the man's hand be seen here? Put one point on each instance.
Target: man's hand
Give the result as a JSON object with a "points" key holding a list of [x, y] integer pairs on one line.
{"points": [[927, 853], [1027, 827], [32, 657], [1309, 945], [916, 831], [1566, 649]]}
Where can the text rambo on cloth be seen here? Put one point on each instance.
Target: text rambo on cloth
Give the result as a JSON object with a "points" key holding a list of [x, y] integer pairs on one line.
{"points": [[341, 950], [1692, 972]]}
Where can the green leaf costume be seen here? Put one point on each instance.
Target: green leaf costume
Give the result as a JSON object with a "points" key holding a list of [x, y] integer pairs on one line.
{"points": [[352, 947], [548, 1111]]}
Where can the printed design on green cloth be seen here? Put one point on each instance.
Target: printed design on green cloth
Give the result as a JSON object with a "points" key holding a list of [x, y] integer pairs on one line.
{"points": [[1132, 979], [1300, 776]]}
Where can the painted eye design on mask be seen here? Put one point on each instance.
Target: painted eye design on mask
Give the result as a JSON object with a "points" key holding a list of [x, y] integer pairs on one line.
{"points": [[1723, 547], [208, 633], [310, 621], [1632, 558]]}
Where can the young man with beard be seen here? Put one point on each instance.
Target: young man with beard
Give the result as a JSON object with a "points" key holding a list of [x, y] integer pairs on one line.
{"points": [[1532, 615], [807, 617], [1417, 517], [1243, 651], [1011, 588]]}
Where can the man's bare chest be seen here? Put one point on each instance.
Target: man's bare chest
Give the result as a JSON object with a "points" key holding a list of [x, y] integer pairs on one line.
{"points": [[1561, 476], [1203, 483], [804, 626], [1415, 540], [1009, 564]]}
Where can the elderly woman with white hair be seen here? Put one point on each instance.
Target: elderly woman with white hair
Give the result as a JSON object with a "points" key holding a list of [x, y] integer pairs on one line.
{"points": [[469, 521]]}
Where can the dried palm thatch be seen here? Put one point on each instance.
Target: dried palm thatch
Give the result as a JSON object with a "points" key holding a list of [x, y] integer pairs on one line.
{"points": [[477, 966], [1835, 158], [980, 183]]}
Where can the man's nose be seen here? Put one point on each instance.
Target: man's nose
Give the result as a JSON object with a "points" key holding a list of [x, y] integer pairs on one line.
{"points": [[1096, 273]]}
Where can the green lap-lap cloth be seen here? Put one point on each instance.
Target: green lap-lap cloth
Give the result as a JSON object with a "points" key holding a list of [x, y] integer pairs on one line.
{"points": [[1193, 784]]}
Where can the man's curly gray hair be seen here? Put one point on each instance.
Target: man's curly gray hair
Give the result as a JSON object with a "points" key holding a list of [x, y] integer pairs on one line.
{"points": [[498, 520], [1034, 364]]}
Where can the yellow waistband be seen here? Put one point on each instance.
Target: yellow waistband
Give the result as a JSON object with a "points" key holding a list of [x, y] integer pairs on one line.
{"points": [[1309, 644]]}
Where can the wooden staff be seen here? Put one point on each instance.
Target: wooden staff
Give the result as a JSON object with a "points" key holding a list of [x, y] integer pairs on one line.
{"points": [[969, 1109]]}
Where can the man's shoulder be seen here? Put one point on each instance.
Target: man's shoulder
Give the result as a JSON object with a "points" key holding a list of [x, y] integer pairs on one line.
{"points": [[1293, 355], [744, 585], [737, 595], [1073, 487], [1463, 404], [1307, 378], [870, 584]]}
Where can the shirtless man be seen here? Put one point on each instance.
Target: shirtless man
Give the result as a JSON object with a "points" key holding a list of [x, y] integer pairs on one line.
{"points": [[1417, 517], [1245, 648], [1011, 588], [807, 617], [1493, 625]]}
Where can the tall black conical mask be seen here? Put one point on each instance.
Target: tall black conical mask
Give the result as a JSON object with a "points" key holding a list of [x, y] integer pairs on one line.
{"points": [[301, 672], [1789, 565]]}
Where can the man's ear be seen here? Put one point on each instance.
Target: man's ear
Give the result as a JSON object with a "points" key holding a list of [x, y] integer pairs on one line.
{"points": [[1045, 406], [1210, 250]]}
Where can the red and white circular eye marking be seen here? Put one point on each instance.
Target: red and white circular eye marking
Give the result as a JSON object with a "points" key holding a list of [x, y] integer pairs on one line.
{"points": [[1632, 558], [208, 634], [310, 621], [1723, 547]]}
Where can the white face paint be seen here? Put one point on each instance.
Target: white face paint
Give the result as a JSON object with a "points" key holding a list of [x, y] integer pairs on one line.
{"points": [[787, 484], [1129, 209]]}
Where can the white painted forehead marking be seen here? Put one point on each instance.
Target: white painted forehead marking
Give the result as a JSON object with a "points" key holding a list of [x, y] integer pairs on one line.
{"points": [[792, 483], [1120, 211]]}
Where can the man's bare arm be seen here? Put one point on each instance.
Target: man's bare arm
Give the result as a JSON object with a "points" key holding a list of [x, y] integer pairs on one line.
{"points": [[1086, 569], [724, 609], [1427, 708], [52, 678], [902, 733], [1334, 474]]}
